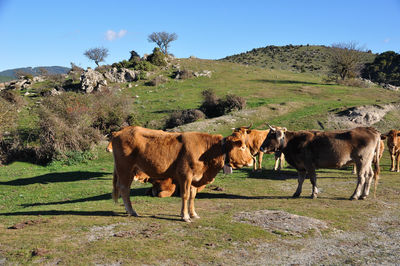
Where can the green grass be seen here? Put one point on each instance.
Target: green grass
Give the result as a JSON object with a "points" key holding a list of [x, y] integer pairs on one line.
{"points": [[78, 222]]}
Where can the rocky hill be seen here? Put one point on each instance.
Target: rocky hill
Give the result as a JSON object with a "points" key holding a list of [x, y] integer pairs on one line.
{"points": [[298, 58]]}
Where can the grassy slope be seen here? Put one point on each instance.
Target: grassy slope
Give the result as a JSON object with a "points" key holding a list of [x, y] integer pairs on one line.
{"points": [[77, 217], [299, 58]]}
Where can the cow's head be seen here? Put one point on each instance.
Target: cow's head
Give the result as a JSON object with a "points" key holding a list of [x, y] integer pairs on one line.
{"points": [[275, 139], [237, 154]]}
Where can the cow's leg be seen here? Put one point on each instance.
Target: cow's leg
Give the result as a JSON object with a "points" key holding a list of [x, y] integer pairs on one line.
{"points": [[393, 158], [192, 212], [354, 169], [255, 163], [124, 185], [397, 162], [276, 166], [281, 161], [302, 176], [185, 193], [361, 172], [260, 158], [313, 179], [368, 181]]}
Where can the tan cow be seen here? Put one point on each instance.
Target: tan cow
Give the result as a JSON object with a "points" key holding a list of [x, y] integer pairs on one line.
{"points": [[393, 143], [161, 187], [309, 150], [254, 140], [381, 149], [192, 159]]}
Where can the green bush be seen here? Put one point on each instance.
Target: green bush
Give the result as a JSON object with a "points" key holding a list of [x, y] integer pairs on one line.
{"points": [[157, 58]]}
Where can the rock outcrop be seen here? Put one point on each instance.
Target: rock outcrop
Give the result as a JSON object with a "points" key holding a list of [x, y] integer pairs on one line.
{"points": [[121, 75], [92, 80]]}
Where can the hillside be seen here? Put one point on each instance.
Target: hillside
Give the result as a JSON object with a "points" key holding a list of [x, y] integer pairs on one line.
{"points": [[35, 71], [67, 209], [299, 58]]}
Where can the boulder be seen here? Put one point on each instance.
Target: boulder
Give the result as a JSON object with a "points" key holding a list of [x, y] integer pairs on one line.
{"points": [[92, 80], [390, 87], [120, 75], [204, 73]]}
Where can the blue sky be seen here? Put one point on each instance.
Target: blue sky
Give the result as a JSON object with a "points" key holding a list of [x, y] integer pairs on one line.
{"points": [[45, 33]]}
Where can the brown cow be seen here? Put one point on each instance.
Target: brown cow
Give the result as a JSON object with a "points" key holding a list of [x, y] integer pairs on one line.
{"points": [[161, 187], [393, 143], [192, 159], [254, 140], [309, 150]]}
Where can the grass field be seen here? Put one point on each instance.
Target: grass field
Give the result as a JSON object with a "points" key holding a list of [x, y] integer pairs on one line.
{"points": [[65, 215]]}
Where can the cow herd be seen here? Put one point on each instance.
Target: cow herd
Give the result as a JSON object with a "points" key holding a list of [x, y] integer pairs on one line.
{"points": [[191, 160]]}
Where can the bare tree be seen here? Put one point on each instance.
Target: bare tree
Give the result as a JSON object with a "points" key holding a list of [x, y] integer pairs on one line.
{"points": [[97, 54], [346, 60], [162, 39]]}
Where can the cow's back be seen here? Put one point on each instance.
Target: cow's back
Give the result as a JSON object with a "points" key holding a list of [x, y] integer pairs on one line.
{"points": [[331, 149]]}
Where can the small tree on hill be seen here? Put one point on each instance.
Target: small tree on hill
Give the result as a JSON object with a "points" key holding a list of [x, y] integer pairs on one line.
{"points": [[162, 39], [346, 60], [97, 54]]}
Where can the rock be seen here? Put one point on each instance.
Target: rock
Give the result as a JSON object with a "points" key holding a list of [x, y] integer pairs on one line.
{"points": [[390, 87], [92, 80], [38, 79], [204, 73], [121, 75], [192, 57]]}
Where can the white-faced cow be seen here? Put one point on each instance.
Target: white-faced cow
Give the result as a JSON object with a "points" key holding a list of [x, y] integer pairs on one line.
{"points": [[192, 159], [254, 140], [309, 150], [393, 143]]}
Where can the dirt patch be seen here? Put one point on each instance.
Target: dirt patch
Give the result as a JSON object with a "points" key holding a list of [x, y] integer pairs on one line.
{"points": [[280, 222], [26, 223], [366, 115], [108, 231], [379, 245]]}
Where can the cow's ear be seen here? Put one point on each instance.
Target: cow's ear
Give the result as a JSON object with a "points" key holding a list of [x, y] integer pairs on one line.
{"points": [[284, 129], [384, 136], [248, 131], [398, 134]]}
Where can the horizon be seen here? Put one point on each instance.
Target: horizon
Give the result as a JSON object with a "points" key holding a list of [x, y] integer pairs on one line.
{"points": [[46, 33]]}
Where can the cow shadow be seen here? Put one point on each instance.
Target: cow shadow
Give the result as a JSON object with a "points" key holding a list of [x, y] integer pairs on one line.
{"points": [[286, 82], [57, 177], [269, 174], [106, 196], [207, 195], [63, 212]]}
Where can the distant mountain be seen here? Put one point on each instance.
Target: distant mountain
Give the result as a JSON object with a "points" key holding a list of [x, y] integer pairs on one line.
{"points": [[35, 71], [299, 58]]}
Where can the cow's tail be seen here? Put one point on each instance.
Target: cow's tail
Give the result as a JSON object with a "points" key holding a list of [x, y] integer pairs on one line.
{"points": [[377, 169], [115, 191]]}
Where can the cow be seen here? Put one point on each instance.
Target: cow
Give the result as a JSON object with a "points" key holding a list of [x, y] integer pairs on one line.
{"points": [[307, 151], [382, 148], [192, 159], [393, 144], [254, 140], [161, 187]]}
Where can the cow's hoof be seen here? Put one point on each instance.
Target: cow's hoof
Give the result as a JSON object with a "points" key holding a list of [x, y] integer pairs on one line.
{"points": [[296, 195], [313, 196], [187, 219], [363, 197], [195, 216], [134, 214], [354, 198]]}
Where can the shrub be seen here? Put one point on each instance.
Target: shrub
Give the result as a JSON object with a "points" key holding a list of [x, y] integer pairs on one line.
{"points": [[213, 106], [179, 118], [353, 83], [157, 57], [233, 103], [157, 81], [12, 97], [144, 66]]}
